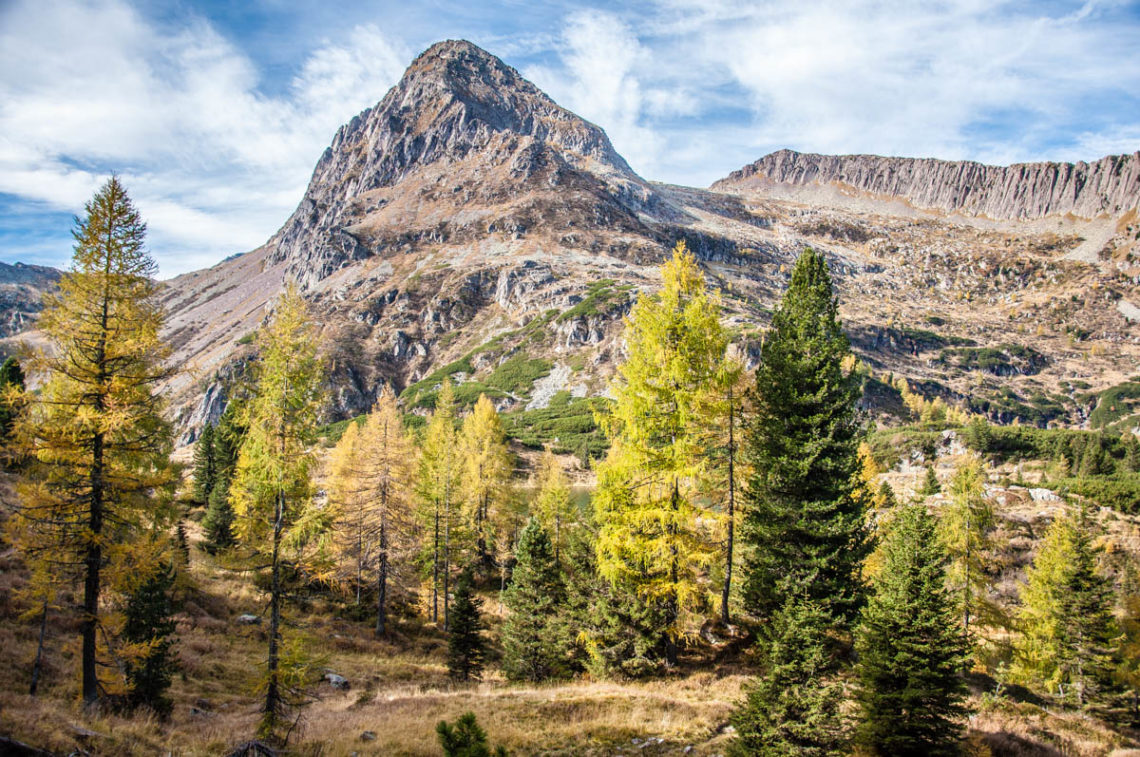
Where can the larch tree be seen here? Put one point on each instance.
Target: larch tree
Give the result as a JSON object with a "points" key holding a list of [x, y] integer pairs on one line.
{"points": [[486, 478], [370, 492], [965, 527], [911, 651], [552, 504], [271, 491], [95, 435], [652, 538], [438, 486], [804, 521]]}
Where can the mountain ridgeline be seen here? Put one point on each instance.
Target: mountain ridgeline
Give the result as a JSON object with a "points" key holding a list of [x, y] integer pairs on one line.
{"points": [[468, 226]]}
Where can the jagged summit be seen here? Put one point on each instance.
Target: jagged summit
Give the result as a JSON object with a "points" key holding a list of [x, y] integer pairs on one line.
{"points": [[1107, 187], [460, 123]]}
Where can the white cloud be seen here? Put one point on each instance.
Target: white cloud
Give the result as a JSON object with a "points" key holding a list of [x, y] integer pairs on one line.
{"points": [[214, 164]]}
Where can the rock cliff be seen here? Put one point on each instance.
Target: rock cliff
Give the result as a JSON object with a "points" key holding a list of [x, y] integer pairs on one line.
{"points": [[1107, 187]]}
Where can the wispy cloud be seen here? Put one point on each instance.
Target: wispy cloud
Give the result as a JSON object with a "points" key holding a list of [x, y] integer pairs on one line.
{"points": [[216, 144], [214, 164]]}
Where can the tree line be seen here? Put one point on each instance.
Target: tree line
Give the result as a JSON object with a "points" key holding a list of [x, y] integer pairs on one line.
{"points": [[750, 498]]}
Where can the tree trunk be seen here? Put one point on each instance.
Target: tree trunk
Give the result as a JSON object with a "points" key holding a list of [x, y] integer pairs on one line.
{"points": [[93, 562], [272, 693], [435, 569], [726, 591], [38, 665], [672, 610], [382, 576], [446, 564]]}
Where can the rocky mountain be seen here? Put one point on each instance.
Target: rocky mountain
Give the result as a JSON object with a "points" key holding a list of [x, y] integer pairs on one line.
{"points": [[467, 226], [1108, 187], [21, 294]]}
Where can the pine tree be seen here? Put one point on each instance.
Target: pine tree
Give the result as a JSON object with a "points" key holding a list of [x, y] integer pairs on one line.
{"points": [[11, 396], [965, 530], [272, 490], [370, 494], [794, 705], [486, 477], [911, 650], [804, 518], [149, 627], [553, 506], [465, 738], [534, 640], [930, 484], [1069, 633], [652, 538], [205, 465], [95, 434], [1131, 462], [437, 485], [466, 645]]}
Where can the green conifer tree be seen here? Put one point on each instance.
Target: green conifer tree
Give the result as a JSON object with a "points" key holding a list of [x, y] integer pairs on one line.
{"points": [[218, 522], [205, 465], [465, 738], [911, 649], [11, 391], [804, 523], [534, 639], [930, 485], [148, 627], [466, 645], [794, 705]]}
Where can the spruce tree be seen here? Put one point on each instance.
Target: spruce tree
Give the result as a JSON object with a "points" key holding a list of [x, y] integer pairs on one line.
{"points": [[911, 650], [95, 434], [534, 640], [794, 704], [205, 465], [218, 522], [148, 628], [465, 738], [466, 645], [11, 391], [930, 484], [804, 513]]}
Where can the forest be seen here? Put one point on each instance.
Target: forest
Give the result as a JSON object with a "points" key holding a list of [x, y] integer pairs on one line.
{"points": [[739, 517]]}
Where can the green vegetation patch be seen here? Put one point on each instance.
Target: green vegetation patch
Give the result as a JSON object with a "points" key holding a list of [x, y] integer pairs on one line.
{"points": [[517, 374], [1115, 403], [568, 425], [601, 298], [1003, 360]]}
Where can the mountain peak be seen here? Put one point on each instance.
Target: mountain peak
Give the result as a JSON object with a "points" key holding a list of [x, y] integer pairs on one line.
{"points": [[459, 116]]}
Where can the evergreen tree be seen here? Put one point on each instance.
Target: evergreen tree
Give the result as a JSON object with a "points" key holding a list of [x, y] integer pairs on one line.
{"points": [[804, 518], [534, 639], [148, 627], [965, 529], [794, 705], [486, 478], [1069, 633], [911, 649], [466, 645], [465, 738], [272, 489], [1131, 462], [930, 485], [205, 465], [652, 539], [95, 433], [11, 396], [437, 484], [218, 522]]}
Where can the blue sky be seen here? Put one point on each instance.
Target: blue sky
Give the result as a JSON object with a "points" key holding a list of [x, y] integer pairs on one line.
{"points": [[214, 113]]}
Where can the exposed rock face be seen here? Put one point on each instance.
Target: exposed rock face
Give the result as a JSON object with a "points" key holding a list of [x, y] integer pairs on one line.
{"points": [[1110, 186], [22, 288]]}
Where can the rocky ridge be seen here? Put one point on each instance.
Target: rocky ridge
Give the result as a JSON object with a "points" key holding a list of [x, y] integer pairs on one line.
{"points": [[1107, 187]]}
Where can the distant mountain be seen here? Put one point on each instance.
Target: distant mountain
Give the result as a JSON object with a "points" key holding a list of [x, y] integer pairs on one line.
{"points": [[1108, 187], [468, 226], [21, 293]]}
